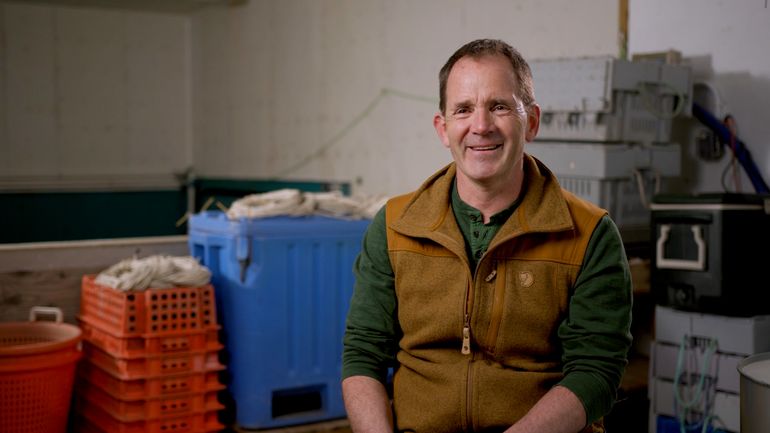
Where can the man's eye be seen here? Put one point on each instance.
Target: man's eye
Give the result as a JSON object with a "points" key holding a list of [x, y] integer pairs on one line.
{"points": [[460, 112], [500, 107]]}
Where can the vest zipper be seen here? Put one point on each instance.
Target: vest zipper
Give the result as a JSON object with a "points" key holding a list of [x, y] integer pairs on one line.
{"points": [[469, 398], [466, 350]]}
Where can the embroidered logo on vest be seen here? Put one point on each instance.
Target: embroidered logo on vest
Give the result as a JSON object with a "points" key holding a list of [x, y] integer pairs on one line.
{"points": [[526, 278]]}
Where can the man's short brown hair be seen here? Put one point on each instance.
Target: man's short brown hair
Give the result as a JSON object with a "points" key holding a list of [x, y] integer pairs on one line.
{"points": [[490, 47]]}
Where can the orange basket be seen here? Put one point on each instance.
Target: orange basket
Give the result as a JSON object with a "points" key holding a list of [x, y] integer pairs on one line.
{"points": [[37, 370], [148, 312], [137, 389]]}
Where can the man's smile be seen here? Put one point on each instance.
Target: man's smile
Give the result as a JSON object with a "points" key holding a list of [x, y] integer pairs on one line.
{"points": [[485, 148]]}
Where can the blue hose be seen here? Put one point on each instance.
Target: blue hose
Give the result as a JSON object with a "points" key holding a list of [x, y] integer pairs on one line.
{"points": [[741, 152]]}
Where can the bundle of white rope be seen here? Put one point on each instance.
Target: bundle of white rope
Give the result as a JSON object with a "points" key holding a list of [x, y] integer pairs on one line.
{"points": [[292, 202], [157, 272]]}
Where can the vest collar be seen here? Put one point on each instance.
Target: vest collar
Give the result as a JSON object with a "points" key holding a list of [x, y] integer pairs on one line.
{"points": [[429, 214]]}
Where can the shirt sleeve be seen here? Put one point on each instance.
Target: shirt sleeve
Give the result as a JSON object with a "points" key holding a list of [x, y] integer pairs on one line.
{"points": [[371, 329], [596, 335]]}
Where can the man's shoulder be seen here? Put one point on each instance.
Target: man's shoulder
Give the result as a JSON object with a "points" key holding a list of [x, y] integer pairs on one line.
{"points": [[580, 204], [395, 205]]}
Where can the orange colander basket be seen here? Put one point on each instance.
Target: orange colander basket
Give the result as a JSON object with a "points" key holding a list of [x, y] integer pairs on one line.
{"points": [[37, 370]]}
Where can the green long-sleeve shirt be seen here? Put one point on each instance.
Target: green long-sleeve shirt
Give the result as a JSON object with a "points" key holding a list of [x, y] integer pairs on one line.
{"points": [[372, 336]]}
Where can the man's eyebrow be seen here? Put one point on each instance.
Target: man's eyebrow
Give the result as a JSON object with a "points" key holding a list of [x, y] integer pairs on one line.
{"points": [[460, 104], [503, 101]]}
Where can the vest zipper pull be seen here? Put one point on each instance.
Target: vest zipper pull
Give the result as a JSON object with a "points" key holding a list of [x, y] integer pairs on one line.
{"points": [[491, 276], [466, 350]]}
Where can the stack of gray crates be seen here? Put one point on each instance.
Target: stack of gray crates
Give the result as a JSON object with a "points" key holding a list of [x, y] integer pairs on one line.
{"points": [[682, 340], [605, 131], [609, 100]]}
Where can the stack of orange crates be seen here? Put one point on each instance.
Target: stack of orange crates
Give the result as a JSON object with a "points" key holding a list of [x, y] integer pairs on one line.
{"points": [[150, 360]]}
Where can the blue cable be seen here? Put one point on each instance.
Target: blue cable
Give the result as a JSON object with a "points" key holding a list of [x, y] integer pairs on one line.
{"points": [[741, 151]]}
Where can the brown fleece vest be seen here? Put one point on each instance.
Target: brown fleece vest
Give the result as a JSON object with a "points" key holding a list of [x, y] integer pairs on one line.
{"points": [[510, 309]]}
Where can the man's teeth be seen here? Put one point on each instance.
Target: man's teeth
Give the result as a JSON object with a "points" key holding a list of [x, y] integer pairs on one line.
{"points": [[492, 147]]}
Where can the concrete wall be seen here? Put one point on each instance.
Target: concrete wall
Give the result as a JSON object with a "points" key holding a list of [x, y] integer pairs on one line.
{"points": [[116, 98], [314, 90], [93, 97], [346, 90]]}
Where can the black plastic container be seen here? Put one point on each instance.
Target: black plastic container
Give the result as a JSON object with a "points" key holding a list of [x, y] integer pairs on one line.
{"points": [[710, 253]]}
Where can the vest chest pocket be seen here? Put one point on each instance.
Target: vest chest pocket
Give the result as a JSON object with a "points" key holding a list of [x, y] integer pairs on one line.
{"points": [[534, 303]]}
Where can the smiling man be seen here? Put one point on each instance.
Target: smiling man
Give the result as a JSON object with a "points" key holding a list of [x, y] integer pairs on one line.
{"points": [[501, 301]]}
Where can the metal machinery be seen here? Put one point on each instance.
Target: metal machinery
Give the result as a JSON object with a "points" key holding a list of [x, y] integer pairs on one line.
{"points": [[605, 131]]}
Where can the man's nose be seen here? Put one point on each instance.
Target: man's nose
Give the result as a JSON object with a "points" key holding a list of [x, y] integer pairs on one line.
{"points": [[482, 122]]}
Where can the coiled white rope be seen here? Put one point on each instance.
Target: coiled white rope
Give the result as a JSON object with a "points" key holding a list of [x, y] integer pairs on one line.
{"points": [[292, 202], [157, 272]]}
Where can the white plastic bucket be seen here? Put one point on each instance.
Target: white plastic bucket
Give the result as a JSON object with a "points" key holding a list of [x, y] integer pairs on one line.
{"points": [[755, 393]]}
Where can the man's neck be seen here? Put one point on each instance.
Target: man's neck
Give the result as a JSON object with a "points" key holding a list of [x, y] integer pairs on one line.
{"points": [[488, 199]]}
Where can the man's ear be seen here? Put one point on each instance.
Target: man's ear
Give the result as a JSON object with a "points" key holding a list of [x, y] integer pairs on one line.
{"points": [[533, 122], [439, 122]]}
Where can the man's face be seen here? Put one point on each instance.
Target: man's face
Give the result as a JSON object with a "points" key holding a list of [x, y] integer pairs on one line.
{"points": [[485, 124]]}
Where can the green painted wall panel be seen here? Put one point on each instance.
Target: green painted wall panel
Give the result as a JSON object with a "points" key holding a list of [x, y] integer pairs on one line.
{"points": [[60, 216], [64, 216]]}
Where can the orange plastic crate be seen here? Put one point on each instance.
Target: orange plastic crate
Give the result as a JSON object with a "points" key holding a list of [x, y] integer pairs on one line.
{"points": [[85, 426], [152, 366], [146, 409], [138, 389], [190, 423], [139, 347], [151, 311]]}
